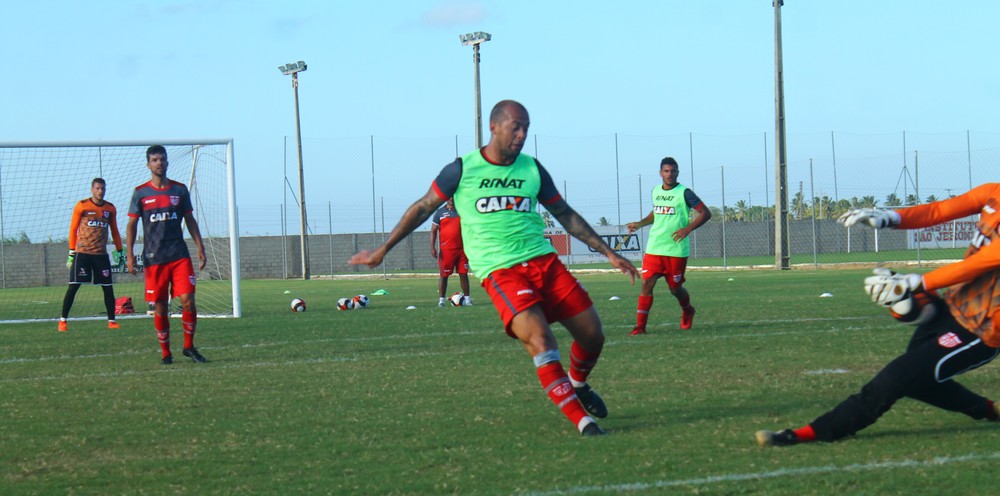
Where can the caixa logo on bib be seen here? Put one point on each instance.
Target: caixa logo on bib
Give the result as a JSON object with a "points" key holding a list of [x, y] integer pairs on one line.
{"points": [[492, 204]]}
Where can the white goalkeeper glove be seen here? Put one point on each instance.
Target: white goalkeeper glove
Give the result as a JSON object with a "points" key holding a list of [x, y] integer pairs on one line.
{"points": [[69, 260], [873, 217], [887, 288]]}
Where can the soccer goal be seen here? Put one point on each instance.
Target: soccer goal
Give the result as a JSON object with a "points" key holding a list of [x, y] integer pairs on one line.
{"points": [[40, 182]]}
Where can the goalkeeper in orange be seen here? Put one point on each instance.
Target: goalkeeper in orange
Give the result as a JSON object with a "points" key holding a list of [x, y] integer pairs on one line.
{"points": [[88, 253], [962, 334]]}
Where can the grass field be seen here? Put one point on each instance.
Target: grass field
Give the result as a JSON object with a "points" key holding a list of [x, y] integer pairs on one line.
{"points": [[440, 401]]}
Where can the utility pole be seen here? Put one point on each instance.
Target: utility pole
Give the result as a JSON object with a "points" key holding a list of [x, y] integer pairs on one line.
{"points": [[781, 244]]}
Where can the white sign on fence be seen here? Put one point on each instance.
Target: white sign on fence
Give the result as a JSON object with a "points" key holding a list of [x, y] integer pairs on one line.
{"points": [[954, 234], [572, 250]]}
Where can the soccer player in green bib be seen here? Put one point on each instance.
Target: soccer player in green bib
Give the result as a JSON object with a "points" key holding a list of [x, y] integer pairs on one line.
{"points": [[668, 247], [497, 190]]}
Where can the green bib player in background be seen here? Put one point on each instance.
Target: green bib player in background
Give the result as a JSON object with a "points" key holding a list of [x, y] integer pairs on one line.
{"points": [[668, 246], [496, 192]]}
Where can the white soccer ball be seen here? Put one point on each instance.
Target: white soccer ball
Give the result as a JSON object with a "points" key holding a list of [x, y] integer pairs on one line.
{"points": [[915, 309], [298, 305], [457, 300], [360, 302], [345, 304]]}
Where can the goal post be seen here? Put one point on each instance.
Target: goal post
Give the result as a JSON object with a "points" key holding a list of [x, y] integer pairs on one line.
{"points": [[40, 183]]}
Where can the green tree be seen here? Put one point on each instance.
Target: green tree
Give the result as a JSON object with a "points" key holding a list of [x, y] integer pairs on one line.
{"points": [[931, 199], [891, 200], [741, 210], [603, 221], [547, 217], [799, 205]]}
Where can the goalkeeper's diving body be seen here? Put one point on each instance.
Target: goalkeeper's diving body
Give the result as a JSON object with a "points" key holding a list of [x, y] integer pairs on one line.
{"points": [[963, 333], [88, 250], [496, 190]]}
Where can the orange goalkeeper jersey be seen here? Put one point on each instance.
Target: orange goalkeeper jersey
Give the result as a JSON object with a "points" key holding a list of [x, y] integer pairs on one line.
{"points": [[88, 230], [971, 285]]}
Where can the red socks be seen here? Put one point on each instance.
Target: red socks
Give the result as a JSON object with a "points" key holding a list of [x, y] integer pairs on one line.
{"points": [[188, 321], [581, 362], [560, 391], [162, 325], [642, 311], [805, 433]]}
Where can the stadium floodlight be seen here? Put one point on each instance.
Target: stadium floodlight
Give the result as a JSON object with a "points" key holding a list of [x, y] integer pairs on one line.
{"points": [[475, 39], [294, 68]]}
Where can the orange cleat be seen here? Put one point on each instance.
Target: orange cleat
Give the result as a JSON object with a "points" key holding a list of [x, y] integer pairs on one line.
{"points": [[687, 317], [62, 326], [113, 325]]}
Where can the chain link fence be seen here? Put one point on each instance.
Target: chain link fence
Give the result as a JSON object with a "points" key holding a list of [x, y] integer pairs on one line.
{"points": [[359, 187]]}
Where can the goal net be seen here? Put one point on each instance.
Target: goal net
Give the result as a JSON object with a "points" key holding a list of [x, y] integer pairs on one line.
{"points": [[41, 182]]}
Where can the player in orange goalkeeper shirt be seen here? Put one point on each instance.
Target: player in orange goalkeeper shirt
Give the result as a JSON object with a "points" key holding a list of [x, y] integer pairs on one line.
{"points": [[963, 334], [88, 253]]}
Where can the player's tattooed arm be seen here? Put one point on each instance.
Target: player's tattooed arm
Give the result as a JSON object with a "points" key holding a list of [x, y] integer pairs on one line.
{"points": [[580, 229], [415, 215], [576, 226]]}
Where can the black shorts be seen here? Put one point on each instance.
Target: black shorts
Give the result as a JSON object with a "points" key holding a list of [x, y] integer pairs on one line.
{"points": [[90, 268]]}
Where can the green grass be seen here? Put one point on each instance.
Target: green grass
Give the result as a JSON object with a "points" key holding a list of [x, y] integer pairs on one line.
{"points": [[436, 401]]}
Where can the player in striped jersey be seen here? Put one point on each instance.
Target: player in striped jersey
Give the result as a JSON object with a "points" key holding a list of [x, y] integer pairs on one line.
{"points": [[963, 335], [163, 205], [88, 253]]}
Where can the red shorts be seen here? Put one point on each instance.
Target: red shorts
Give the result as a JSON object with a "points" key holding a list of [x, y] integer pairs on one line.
{"points": [[542, 280], [177, 275], [452, 261], [672, 268]]}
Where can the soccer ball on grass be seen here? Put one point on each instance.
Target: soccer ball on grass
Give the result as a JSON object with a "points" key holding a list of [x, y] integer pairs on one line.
{"points": [[360, 302], [298, 305], [345, 304], [457, 300]]}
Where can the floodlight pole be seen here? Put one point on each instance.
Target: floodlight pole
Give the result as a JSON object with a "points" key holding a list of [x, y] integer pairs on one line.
{"points": [[781, 242], [475, 39], [294, 69]]}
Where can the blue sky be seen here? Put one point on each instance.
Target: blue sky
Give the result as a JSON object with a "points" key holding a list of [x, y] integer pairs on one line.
{"points": [[397, 71]]}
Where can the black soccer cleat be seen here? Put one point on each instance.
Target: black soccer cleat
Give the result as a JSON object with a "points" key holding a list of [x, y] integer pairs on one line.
{"points": [[786, 437], [592, 429], [167, 360], [592, 401], [193, 354]]}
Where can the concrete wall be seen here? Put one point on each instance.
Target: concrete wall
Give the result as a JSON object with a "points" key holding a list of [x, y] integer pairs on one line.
{"points": [[274, 257]]}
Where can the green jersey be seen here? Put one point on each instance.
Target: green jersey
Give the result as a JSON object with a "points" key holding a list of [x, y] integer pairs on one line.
{"points": [[501, 226], [670, 213]]}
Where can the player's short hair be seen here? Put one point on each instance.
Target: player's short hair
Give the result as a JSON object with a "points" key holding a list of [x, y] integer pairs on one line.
{"points": [[500, 109], [668, 161], [155, 150], [98, 180]]}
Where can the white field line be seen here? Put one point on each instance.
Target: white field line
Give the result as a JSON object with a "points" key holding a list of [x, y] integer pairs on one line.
{"points": [[355, 356], [785, 472]]}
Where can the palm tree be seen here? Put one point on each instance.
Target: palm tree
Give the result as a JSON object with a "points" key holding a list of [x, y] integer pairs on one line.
{"points": [[741, 210], [867, 202], [547, 217], [912, 199], [891, 200], [603, 221], [931, 199], [799, 205]]}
